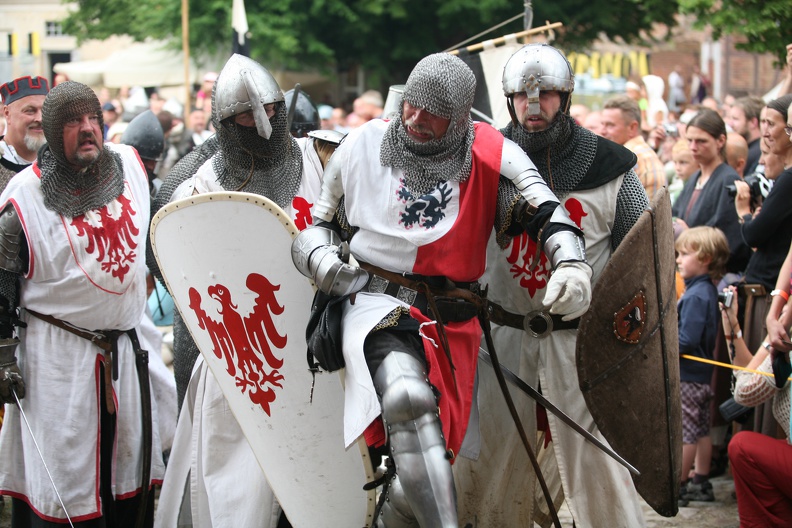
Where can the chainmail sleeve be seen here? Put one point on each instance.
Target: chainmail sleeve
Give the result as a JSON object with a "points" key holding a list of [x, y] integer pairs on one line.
{"points": [[9, 300], [185, 351], [183, 170], [631, 202], [506, 225]]}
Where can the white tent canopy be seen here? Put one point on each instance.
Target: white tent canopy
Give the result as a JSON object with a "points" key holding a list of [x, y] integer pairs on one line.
{"points": [[140, 64]]}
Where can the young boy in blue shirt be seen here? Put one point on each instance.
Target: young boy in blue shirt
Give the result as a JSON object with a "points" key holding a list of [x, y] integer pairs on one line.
{"points": [[702, 253]]}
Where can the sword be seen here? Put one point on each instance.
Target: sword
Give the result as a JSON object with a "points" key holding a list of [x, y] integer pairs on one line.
{"points": [[27, 424], [515, 380]]}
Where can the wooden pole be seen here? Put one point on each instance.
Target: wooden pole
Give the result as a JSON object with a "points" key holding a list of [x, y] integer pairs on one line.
{"points": [[521, 34], [186, 48]]}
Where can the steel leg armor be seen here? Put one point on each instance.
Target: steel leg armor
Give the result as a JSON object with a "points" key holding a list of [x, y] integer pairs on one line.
{"points": [[409, 410]]}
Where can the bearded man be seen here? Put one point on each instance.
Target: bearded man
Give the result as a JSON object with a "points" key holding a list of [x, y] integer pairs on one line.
{"points": [[417, 197], [595, 181], [22, 98], [73, 228]]}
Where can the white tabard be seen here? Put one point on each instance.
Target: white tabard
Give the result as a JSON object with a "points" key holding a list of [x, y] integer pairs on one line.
{"points": [[599, 491], [88, 270]]}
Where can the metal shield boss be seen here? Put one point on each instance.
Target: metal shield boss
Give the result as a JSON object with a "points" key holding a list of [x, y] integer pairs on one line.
{"points": [[227, 262], [628, 356]]}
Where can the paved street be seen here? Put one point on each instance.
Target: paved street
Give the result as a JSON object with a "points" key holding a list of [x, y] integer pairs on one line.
{"points": [[719, 514]]}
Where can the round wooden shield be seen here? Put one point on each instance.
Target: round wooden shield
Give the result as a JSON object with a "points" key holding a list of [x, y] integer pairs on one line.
{"points": [[628, 356]]}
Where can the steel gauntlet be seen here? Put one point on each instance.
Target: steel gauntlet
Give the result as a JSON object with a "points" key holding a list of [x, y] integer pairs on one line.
{"points": [[319, 254], [10, 375]]}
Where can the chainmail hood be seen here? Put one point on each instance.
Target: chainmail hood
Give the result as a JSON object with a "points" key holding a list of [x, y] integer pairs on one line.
{"points": [[68, 191], [443, 85], [562, 153], [248, 162]]}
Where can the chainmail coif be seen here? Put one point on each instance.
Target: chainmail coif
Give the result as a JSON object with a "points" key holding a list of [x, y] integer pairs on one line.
{"points": [[68, 191], [443, 85], [247, 162]]}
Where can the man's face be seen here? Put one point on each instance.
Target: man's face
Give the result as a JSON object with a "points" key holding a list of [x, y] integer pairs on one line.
{"points": [[549, 104], [198, 121], [422, 125], [737, 121], [82, 140], [247, 119], [614, 126], [23, 122]]}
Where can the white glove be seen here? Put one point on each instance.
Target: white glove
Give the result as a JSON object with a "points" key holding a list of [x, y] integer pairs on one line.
{"points": [[569, 290]]}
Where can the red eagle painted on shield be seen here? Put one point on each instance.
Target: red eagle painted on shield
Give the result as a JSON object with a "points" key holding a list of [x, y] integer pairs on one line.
{"points": [[522, 252], [111, 235], [244, 341]]}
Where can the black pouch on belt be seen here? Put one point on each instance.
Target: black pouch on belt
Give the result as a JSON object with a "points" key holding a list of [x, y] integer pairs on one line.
{"points": [[454, 309], [323, 332]]}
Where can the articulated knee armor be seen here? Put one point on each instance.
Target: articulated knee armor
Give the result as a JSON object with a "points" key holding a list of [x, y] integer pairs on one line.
{"points": [[409, 410]]}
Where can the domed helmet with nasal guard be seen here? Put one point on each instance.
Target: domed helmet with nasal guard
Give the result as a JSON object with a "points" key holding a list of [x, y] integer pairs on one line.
{"points": [[243, 85], [536, 68], [305, 117]]}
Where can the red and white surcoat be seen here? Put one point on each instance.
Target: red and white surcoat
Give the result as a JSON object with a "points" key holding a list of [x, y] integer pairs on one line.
{"points": [[444, 233]]}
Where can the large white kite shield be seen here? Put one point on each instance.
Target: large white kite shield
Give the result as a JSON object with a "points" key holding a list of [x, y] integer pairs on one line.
{"points": [[227, 262]]}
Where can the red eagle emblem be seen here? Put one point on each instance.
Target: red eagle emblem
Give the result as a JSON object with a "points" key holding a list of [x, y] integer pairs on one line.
{"points": [[523, 254], [111, 234], [246, 341]]}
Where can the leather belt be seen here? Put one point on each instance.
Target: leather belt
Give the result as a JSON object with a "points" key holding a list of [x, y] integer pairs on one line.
{"points": [[537, 323], [107, 340], [377, 284], [455, 301]]}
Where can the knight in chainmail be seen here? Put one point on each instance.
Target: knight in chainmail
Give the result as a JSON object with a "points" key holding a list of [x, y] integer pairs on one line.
{"points": [[594, 179], [75, 280], [252, 151], [416, 198]]}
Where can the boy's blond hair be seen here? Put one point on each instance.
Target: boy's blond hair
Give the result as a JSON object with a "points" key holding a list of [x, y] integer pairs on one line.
{"points": [[706, 242]]}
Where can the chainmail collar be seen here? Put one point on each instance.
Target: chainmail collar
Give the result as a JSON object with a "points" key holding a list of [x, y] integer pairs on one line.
{"points": [[425, 164], [562, 153], [247, 162], [71, 193]]}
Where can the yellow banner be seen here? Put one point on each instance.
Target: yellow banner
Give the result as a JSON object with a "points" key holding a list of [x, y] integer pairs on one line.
{"points": [[618, 64]]}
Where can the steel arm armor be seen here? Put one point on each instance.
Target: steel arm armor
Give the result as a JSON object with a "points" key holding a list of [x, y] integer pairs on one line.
{"points": [[12, 239], [563, 242], [317, 252], [332, 189]]}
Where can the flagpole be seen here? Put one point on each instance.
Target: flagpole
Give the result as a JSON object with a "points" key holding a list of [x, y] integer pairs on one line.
{"points": [[501, 40], [186, 48]]}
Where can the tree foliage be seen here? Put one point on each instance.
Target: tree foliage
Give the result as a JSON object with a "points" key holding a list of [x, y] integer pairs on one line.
{"points": [[764, 23], [386, 37]]}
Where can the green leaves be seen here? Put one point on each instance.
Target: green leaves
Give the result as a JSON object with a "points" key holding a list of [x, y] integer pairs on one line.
{"points": [[385, 37], [764, 23]]}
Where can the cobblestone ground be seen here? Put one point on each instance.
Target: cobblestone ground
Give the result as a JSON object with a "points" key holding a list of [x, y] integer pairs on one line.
{"points": [[719, 514]]}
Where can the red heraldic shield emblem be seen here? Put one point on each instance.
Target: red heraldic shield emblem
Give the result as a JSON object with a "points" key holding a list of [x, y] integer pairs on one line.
{"points": [[109, 240], [244, 341], [226, 258]]}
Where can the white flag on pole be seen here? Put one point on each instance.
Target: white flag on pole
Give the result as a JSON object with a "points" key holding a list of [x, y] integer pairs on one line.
{"points": [[239, 20]]}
